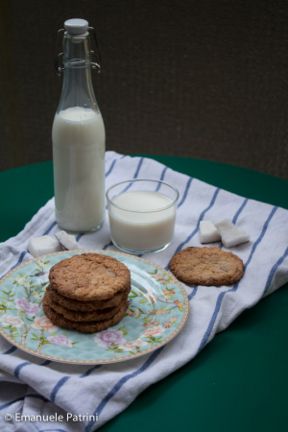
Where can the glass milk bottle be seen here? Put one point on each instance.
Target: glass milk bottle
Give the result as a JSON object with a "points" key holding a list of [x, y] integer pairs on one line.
{"points": [[78, 137]]}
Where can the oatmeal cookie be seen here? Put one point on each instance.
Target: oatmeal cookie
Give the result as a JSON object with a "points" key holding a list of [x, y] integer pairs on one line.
{"points": [[89, 277], [206, 266]]}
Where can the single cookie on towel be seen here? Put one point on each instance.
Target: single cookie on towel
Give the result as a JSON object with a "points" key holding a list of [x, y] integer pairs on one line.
{"points": [[206, 266], [83, 327], [99, 315], [89, 276], [88, 306]]}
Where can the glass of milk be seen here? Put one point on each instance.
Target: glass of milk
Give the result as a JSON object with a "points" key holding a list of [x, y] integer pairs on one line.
{"points": [[142, 215]]}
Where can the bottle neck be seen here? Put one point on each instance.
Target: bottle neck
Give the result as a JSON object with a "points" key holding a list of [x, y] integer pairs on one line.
{"points": [[77, 87]]}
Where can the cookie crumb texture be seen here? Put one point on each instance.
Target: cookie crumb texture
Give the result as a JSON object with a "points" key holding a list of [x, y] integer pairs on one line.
{"points": [[207, 266], [89, 276]]}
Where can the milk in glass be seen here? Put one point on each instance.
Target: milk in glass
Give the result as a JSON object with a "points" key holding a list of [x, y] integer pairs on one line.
{"points": [[142, 220]]}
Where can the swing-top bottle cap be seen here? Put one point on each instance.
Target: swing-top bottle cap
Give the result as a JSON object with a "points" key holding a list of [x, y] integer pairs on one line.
{"points": [[76, 26]]}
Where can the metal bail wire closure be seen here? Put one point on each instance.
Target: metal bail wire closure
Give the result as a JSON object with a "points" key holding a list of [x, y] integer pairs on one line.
{"points": [[95, 54], [59, 54]]}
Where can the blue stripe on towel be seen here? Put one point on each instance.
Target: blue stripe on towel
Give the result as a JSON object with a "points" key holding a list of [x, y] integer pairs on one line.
{"points": [[89, 371], [112, 166], [237, 214], [161, 178], [78, 236], [58, 386], [7, 404], [107, 245], [10, 350], [273, 271], [139, 165], [187, 187], [235, 287], [193, 293], [19, 367], [20, 259], [50, 228], [64, 379], [110, 169], [45, 363]]}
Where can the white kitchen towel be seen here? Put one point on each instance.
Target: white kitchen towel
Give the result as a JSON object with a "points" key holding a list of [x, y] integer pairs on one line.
{"points": [[31, 386]]}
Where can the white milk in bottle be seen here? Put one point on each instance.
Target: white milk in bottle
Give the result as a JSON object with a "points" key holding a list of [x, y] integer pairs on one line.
{"points": [[78, 137]]}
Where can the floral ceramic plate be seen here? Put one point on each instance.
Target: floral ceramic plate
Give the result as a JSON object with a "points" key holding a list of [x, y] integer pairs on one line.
{"points": [[158, 309]]}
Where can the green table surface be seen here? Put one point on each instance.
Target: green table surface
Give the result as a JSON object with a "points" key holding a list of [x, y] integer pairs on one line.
{"points": [[239, 382]]}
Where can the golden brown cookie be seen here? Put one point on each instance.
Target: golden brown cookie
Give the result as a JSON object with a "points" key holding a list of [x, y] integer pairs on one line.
{"points": [[89, 276], [88, 306], [83, 327], [206, 266], [100, 315]]}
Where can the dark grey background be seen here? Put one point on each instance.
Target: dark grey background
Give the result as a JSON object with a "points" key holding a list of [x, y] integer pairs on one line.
{"points": [[206, 78]]}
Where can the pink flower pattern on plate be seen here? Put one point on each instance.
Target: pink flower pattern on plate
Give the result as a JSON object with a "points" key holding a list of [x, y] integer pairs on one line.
{"points": [[8, 320], [29, 308], [109, 337], [154, 331], [60, 340], [43, 323]]}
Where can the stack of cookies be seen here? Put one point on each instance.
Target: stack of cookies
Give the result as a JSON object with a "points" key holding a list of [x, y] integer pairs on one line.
{"points": [[87, 292]]}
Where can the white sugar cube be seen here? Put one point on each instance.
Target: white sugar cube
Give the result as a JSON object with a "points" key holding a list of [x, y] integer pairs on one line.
{"points": [[68, 241], [230, 234], [38, 246], [208, 232]]}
